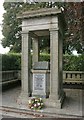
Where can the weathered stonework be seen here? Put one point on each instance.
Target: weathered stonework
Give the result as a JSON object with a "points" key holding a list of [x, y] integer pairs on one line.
{"points": [[40, 83], [43, 22]]}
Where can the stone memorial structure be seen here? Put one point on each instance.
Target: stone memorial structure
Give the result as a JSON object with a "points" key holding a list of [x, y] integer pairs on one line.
{"points": [[41, 79], [47, 23]]}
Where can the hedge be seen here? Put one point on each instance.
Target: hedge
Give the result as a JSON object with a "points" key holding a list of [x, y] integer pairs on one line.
{"points": [[44, 57], [70, 62], [73, 63], [12, 61]]}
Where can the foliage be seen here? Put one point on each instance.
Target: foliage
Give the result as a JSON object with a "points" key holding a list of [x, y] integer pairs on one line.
{"points": [[44, 57], [70, 62], [74, 16], [11, 61], [11, 29], [73, 63], [36, 103]]}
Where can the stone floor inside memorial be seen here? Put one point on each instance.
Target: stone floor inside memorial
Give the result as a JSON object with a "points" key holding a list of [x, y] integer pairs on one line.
{"points": [[72, 107]]}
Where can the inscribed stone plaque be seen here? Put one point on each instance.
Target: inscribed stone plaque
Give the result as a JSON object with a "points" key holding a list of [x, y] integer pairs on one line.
{"points": [[39, 82]]}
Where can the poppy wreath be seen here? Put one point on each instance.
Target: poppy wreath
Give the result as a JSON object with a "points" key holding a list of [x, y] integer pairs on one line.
{"points": [[36, 103]]}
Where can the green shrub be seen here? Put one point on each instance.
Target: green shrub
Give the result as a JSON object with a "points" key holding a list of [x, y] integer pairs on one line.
{"points": [[11, 61], [44, 57], [73, 63], [70, 62]]}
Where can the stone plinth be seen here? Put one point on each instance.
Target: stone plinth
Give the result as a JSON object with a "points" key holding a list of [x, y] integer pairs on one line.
{"points": [[40, 83]]}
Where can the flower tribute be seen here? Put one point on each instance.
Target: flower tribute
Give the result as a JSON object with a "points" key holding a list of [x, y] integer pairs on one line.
{"points": [[36, 103]]}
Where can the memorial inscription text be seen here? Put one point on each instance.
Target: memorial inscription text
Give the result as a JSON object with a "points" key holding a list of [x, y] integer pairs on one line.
{"points": [[39, 82]]}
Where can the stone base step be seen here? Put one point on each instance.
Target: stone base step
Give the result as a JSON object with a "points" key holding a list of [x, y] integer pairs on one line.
{"points": [[22, 113]]}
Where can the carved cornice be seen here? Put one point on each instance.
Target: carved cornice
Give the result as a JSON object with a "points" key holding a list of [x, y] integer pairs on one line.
{"points": [[25, 32], [53, 29], [39, 13]]}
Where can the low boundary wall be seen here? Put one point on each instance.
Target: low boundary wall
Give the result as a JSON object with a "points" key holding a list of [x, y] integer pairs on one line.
{"points": [[12, 76]]}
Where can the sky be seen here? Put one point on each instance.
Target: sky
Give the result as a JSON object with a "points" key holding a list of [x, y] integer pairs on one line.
{"points": [[5, 50]]}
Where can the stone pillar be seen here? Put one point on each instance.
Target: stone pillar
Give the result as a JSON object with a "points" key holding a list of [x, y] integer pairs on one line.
{"points": [[60, 48], [56, 95], [35, 50], [54, 64], [26, 65]]}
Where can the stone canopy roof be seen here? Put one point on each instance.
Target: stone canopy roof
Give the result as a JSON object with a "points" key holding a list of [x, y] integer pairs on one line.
{"points": [[39, 12]]}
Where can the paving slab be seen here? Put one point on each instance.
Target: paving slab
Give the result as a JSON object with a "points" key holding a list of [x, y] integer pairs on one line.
{"points": [[72, 107]]}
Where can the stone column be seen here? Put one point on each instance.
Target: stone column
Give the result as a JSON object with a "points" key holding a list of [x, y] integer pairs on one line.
{"points": [[54, 64], [25, 71], [60, 48], [35, 50], [56, 95]]}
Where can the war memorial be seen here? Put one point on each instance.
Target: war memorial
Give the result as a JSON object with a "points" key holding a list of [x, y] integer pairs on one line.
{"points": [[43, 79], [38, 79]]}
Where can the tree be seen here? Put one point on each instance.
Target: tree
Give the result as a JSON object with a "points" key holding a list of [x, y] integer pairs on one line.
{"points": [[72, 12], [74, 34], [11, 29]]}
